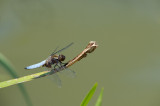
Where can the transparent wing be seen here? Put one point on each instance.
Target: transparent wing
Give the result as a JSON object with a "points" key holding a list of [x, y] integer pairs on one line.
{"points": [[54, 51], [55, 78], [62, 49], [68, 72], [36, 65]]}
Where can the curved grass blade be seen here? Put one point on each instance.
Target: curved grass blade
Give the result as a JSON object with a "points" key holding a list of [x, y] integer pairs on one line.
{"points": [[21, 79], [89, 95], [28, 77], [99, 100], [4, 62]]}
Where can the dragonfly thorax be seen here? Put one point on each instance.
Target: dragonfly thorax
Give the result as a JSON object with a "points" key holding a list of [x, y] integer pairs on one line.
{"points": [[54, 60]]}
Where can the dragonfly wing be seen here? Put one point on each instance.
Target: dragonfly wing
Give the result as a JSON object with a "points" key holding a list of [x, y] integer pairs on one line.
{"points": [[36, 65], [62, 49], [56, 79], [54, 51], [68, 72]]}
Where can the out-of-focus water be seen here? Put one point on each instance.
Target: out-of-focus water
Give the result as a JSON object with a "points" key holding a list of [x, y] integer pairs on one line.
{"points": [[126, 63]]}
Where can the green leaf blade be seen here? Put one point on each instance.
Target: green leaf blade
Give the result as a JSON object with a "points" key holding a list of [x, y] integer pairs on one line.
{"points": [[21, 79], [99, 100], [4, 62], [89, 95]]}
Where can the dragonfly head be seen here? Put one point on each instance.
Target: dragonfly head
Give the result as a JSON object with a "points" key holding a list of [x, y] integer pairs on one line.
{"points": [[61, 57]]}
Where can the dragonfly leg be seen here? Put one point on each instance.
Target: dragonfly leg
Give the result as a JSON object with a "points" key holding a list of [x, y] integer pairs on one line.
{"points": [[55, 66], [62, 64]]}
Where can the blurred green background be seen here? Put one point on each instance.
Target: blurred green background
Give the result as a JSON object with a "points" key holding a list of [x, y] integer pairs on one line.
{"points": [[126, 63]]}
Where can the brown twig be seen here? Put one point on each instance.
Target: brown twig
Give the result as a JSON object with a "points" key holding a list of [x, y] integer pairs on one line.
{"points": [[89, 49]]}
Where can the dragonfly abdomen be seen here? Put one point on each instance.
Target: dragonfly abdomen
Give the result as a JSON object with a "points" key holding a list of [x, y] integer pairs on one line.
{"points": [[36, 65]]}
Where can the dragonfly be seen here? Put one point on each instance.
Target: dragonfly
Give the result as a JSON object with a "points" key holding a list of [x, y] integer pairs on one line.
{"points": [[54, 61]]}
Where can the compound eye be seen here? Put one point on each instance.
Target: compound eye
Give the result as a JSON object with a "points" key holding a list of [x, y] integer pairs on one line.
{"points": [[62, 57]]}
